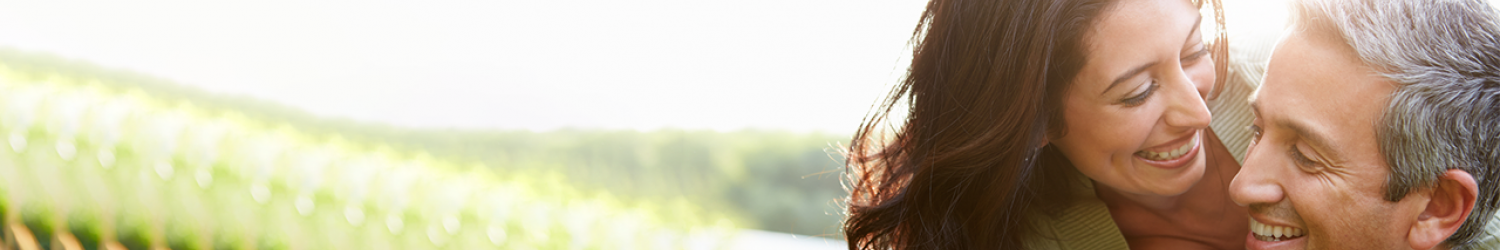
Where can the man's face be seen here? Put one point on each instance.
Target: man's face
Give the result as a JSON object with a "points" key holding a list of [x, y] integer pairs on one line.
{"points": [[1314, 172]]}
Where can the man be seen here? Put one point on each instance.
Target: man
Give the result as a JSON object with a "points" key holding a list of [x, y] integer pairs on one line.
{"points": [[1377, 127]]}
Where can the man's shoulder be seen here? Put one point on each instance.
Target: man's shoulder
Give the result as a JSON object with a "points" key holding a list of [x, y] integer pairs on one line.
{"points": [[1490, 238]]}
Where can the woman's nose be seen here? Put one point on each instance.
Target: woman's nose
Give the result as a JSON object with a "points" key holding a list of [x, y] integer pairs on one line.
{"points": [[1187, 108]]}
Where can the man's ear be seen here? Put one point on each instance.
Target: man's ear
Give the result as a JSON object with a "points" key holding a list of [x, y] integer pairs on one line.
{"points": [[1452, 199]]}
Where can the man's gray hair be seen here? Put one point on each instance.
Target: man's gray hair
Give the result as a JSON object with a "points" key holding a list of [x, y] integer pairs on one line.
{"points": [[1445, 112]]}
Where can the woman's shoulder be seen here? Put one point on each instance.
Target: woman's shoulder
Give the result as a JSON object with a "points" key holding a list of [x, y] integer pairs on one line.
{"points": [[1085, 223]]}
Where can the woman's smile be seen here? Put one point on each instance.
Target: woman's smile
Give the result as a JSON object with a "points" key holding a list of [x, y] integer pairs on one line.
{"points": [[1173, 154]]}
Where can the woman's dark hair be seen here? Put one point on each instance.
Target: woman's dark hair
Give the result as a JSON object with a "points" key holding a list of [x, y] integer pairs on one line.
{"points": [[968, 169]]}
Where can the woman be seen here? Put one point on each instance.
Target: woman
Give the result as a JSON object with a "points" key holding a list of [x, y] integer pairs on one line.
{"points": [[1042, 124]]}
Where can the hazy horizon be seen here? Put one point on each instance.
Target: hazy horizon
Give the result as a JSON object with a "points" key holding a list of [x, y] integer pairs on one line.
{"points": [[726, 65]]}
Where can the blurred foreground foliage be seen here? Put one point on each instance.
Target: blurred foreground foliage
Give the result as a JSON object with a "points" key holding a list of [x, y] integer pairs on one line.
{"points": [[106, 157]]}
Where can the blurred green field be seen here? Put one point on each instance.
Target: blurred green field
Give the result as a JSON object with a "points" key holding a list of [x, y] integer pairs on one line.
{"points": [[95, 157]]}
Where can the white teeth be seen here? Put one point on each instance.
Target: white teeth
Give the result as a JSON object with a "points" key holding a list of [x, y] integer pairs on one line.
{"points": [[1171, 154], [1273, 233]]}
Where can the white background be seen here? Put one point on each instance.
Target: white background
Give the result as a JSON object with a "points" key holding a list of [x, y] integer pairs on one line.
{"points": [[799, 65]]}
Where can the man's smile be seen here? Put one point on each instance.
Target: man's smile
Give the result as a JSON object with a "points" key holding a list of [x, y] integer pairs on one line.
{"points": [[1273, 233]]}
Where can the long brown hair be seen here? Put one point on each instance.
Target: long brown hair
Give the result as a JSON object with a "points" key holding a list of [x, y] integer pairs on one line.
{"points": [[968, 168]]}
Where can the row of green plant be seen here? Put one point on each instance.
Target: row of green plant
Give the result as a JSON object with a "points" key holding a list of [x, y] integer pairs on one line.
{"points": [[761, 179], [119, 165]]}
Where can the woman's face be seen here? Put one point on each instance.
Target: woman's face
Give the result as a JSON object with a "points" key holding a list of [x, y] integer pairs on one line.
{"points": [[1135, 113]]}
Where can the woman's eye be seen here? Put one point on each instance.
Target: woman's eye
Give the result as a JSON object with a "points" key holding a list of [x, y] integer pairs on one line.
{"points": [[1139, 98]]}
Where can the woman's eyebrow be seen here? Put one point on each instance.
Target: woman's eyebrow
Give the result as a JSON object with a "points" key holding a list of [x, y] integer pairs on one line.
{"points": [[1127, 75], [1193, 31]]}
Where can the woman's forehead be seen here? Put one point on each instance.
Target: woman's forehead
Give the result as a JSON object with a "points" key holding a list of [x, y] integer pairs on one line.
{"points": [[1132, 33]]}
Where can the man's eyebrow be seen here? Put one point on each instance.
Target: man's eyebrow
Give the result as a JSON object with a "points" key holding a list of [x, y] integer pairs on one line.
{"points": [[1142, 68], [1318, 140], [1254, 106], [1312, 137]]}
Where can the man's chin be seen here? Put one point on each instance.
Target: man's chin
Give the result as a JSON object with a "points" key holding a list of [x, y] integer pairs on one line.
{"points": [[1253, 243]]}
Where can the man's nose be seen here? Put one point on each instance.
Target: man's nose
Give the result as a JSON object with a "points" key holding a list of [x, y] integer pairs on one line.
{"points": [[1256, 183]]}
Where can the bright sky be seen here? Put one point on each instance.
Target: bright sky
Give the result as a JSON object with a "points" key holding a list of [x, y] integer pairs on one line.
{"points": [[800, 65]]}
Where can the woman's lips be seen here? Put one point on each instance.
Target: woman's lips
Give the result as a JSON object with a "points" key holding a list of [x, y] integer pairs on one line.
{"points": [[1171, 157]]}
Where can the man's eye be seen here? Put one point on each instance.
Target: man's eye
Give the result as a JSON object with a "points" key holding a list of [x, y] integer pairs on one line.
{"points": [[1254, 133], [1138, 99], [1299, 158]]}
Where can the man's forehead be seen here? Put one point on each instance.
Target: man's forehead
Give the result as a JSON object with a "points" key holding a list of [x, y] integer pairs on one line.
{"points": [[1320, 88], [1299, 69]]}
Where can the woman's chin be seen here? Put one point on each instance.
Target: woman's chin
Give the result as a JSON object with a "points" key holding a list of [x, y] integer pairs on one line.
{"points": [[1170, 182]]}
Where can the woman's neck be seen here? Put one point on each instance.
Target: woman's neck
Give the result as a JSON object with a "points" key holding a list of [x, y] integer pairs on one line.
{"points": [[1159, 203], [1202, 217], [1220, 168]]}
